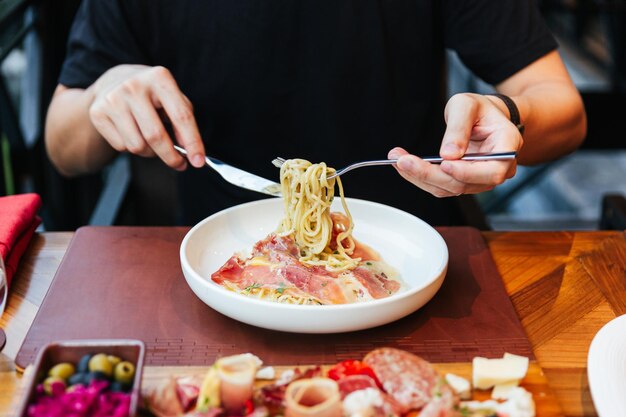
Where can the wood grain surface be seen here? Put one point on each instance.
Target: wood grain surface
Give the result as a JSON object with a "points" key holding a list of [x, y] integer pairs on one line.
{"points": [[564, 285]]}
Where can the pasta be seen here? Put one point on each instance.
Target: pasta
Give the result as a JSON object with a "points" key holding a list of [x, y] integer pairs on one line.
{"points": [[307, 196], [312, 257]]}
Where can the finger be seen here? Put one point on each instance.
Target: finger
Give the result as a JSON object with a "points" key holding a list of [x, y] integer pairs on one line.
{"points": [[479, 172], [154, 133], [434, 190], [127, 127], [461, 115], [487, 172], [180, 113], [107, 130], [429, 177], [396, 153]]}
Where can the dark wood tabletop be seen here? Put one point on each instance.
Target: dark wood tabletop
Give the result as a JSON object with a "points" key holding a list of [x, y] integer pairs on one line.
{"points": [[564, 285]]}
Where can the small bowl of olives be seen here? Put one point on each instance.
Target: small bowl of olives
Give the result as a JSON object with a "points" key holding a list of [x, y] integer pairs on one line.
{"points": [[90, 378]]}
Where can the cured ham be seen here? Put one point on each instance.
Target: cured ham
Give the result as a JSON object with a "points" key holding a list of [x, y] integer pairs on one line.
{"points": [[273, 271], [314, 397], [351, 388], [351, 383]]}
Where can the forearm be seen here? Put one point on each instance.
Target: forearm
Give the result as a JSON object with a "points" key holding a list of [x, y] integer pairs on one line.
{"points": [[74, 145], [551, 110]]}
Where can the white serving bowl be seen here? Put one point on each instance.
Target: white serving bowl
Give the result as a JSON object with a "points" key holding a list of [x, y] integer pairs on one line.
{"points": [[408, 244], [606, 368]]}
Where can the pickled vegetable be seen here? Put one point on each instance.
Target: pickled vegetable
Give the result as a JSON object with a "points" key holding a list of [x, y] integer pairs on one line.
{"points": [[124, 372], [62, 370], [101, 363]]}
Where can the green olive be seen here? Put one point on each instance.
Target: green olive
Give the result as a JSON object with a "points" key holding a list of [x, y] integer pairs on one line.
{"points": [[125, 372], [50, 381], [101, 363], [114, 360], [62, 370]]}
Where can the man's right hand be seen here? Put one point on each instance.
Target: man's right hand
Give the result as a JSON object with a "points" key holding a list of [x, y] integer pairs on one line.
{"points": [[128, 108]]}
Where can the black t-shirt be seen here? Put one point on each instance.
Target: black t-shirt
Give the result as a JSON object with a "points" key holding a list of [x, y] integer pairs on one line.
{"points": [[325, 80]]}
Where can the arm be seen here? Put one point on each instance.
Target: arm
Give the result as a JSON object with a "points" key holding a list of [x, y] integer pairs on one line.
{"points": [[120, 112], [550, 107]]}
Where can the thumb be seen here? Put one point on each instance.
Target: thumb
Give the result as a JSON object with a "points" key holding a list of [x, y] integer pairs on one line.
{"points": [[461, 114]]}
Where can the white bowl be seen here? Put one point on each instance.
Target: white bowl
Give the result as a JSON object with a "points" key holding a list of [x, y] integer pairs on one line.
{"points": [[405, 242], [606, 368]]}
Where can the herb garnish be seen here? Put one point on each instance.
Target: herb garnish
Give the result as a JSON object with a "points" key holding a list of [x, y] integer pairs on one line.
{"points": [[252, 286]]}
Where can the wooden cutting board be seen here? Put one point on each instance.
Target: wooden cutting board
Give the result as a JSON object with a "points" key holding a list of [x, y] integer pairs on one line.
{"points": [[546, 403], [126, 282]]}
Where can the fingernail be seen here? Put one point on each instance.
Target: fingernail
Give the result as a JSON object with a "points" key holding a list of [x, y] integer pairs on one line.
{"points": [[393, 154], [450, 148], [197, 161], [405, 164]]}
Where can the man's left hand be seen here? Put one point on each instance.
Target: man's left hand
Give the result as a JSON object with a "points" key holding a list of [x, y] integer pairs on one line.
{"points": [[475, 123]]}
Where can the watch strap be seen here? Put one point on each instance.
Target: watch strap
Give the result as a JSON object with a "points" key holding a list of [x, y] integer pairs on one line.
{"points": [[513, 111]]}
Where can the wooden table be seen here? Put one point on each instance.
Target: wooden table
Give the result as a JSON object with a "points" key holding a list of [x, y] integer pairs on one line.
{"points": [[565, 286]]}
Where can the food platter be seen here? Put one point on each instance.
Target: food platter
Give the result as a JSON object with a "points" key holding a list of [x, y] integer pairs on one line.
{"points": [[606, 365], [407, 243]]}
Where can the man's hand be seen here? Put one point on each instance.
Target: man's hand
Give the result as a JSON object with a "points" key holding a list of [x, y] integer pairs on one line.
{"points": [[475, 123], [128, 104]]}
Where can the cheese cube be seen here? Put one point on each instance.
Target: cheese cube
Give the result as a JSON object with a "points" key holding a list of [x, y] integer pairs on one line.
{"points": [[266, 373], [459, 385], [489, 372], [503, 391]]}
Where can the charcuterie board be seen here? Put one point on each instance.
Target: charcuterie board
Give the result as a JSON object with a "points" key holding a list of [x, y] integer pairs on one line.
{"points": [[535, 382], [126, 282]]}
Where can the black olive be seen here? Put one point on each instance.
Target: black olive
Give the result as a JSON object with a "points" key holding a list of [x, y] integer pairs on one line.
{"points": [[78, 378], [116, 386], [96, 376], [83, 364]]}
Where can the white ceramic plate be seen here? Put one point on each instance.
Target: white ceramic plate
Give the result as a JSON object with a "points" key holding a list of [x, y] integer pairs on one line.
{"points": [[405, 242], [606, 369]]}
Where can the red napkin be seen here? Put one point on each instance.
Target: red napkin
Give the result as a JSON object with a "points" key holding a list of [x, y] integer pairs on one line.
{"points": [[18, 221]]}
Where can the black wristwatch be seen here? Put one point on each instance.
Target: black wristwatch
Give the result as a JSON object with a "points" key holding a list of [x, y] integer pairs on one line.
{"points": [[513, 111]]}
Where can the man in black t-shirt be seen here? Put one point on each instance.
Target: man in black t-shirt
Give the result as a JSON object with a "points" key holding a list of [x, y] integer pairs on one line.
{"points": [[326, 80]]}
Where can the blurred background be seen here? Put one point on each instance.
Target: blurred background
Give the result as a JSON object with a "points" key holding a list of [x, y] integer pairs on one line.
{"points": [[584, 190]]}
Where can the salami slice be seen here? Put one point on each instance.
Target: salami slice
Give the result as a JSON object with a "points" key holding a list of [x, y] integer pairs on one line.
{"points": [[407, 378], [352, 383]]}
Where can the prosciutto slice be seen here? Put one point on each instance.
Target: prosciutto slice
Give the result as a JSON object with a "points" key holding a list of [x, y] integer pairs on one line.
{"points": [[378, 285], [315, 397], [274, 264]]}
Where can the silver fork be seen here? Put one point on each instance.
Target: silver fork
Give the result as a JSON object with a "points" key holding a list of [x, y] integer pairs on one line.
{"points": [[239, 177], [485, 156]]}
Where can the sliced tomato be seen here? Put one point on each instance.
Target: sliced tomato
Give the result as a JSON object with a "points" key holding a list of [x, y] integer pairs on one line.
{"points": [[248, 407], [352, 367]]}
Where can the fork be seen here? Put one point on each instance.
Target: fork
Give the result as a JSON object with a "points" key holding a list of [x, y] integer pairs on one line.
{"points": [[484, 156], [239, 177]]}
